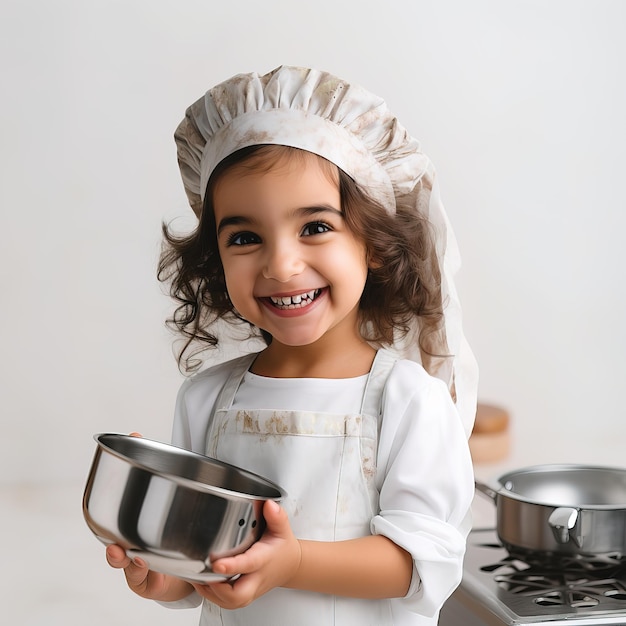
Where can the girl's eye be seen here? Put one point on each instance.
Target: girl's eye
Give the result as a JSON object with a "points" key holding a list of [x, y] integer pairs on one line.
{"points": [[315, 228], [243, 239]]}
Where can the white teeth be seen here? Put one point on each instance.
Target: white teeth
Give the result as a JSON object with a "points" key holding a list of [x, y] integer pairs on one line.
{"points": [[296, 301]]}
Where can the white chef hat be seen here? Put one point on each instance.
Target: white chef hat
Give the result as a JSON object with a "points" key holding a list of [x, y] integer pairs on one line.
{"points": [[352, 128]]}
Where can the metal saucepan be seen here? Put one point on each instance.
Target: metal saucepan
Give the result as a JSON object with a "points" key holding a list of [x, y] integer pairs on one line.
{"points": [[561, 510], [175, 509]]}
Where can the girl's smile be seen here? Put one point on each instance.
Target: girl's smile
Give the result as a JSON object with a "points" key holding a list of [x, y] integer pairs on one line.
{"points": [[292, 266], [296, 304]]}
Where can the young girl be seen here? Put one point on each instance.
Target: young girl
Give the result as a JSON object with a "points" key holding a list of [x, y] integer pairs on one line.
{"points": [[321, 233]]}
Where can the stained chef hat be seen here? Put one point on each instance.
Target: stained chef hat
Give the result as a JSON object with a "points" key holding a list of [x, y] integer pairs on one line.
{"points": [[352, 128]]}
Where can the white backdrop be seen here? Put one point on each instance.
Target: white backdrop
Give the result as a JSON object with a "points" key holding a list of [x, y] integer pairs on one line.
{"points": [[519, 104]]}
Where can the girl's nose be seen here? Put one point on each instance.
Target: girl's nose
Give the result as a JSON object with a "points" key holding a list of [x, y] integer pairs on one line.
{"points": [[282, 262]]}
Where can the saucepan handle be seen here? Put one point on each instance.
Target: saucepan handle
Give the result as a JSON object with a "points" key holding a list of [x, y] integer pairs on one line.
{"points": [[563, 521], [486, 490]]}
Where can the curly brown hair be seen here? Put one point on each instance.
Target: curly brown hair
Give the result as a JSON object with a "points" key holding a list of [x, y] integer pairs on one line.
{"points": [[403, 282]]}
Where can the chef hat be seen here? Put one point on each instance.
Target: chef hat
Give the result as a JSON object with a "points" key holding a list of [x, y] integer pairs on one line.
{"points": [[352, 128]]}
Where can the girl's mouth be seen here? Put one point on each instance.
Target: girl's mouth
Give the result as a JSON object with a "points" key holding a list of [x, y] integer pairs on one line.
{"points": [[298, 301]]}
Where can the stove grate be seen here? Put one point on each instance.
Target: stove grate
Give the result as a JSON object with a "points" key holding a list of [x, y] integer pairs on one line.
{"points": [[576, 582]]}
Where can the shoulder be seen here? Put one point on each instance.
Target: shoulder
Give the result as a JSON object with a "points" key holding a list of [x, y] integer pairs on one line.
{"points": [[419, 417], [195, 404], [212, 379], [414, 395], [410, 379]]}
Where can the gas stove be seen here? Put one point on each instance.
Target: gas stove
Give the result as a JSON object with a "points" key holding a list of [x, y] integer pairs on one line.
{"points": [[500, 588]]}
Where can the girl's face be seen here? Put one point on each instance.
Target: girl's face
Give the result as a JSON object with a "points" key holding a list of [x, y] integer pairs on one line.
{"points": [[292, 267]]}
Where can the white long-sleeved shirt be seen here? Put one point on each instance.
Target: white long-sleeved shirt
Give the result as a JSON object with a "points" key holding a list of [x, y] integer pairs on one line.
{"points": [[423, 472]]}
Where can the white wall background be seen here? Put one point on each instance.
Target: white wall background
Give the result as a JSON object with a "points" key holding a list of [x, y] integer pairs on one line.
{"points": [[519, 104]]}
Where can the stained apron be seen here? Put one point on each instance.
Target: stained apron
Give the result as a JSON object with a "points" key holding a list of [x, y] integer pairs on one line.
{"points": [[326, 463]]}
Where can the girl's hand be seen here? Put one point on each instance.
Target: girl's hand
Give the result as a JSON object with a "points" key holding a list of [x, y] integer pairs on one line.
{"points": [[271, 562], [145, 582]]}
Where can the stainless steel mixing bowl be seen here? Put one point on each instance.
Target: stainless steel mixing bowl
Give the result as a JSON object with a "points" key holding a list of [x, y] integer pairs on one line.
{"points": [[176, 509]]}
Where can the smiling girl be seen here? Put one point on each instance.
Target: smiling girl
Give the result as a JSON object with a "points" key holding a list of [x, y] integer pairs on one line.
{"points": [[291, 264], [321, 232]]}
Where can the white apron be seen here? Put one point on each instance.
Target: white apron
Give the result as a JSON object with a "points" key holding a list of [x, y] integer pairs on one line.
{"points": [[326, 463]]}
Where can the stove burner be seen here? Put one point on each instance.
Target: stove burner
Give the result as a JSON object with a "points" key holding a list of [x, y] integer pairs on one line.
{"points": [[575, 582]]}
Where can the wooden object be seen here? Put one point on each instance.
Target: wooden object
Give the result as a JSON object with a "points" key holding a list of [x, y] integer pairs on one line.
{"points": [[491, 439]]}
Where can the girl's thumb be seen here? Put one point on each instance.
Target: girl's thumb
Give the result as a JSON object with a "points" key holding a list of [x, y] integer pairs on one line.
{"points": [[272, 513], [272, 508]]}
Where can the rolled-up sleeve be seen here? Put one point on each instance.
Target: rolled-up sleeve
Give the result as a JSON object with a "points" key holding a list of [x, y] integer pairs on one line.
{"points": [[425, 481]]}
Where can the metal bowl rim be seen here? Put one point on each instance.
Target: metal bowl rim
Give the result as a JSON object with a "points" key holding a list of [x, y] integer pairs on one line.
{"points": [[188, 482]]}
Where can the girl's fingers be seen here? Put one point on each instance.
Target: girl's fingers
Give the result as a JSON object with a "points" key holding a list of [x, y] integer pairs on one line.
{"points": [[137, 575], [275, 516], [257, 556], [227, 595], [234, 565], [135, 570], [116, 557]]}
